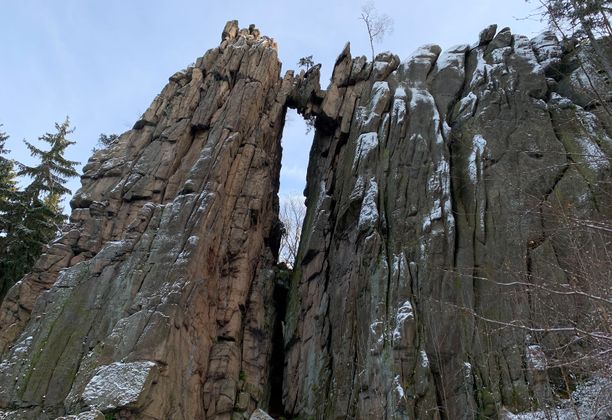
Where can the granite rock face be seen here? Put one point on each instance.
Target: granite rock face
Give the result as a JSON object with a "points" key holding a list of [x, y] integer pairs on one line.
{"points": [[437, 191], [155, 302], [438, 198]]}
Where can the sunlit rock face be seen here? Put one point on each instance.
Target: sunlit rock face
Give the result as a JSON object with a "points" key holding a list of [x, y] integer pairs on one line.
{"points": [[438, 197], [437, 188], [158, 302]]}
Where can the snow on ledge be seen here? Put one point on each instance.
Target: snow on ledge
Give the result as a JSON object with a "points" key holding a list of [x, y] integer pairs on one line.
{"points": [[118, 385], [366, 142], [591, 400]]}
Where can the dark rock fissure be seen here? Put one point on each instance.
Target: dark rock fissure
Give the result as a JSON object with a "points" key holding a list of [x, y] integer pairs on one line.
{"points": [[277, 361]]}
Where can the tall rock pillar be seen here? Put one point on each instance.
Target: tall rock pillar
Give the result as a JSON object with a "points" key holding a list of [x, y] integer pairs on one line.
{"points": [[153, 304]]}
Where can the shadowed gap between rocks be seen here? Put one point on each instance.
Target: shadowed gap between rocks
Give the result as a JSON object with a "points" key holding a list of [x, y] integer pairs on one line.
{"points": [[277, 366], [302, 131]]}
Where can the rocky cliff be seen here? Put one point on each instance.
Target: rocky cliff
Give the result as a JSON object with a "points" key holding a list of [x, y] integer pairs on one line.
{"points": [[439, 192]]}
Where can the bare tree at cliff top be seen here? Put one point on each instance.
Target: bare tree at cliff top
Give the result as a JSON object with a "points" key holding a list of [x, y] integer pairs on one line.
{"points": [[377, 25], [292, 211]]}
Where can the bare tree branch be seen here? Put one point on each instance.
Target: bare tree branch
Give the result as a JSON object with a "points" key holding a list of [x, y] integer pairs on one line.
{"points": [[292, 212], [376, 25]]}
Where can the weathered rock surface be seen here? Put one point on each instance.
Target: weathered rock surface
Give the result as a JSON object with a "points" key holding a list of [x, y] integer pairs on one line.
{"points": [[439, 194], [156, 301], [435, 193]]}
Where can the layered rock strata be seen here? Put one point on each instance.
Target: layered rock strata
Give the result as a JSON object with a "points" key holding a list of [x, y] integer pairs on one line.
{"points": [[437, 192], [155, 302]]}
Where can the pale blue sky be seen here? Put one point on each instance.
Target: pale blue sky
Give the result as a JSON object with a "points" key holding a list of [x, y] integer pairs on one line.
{"points": [[101, 62]]}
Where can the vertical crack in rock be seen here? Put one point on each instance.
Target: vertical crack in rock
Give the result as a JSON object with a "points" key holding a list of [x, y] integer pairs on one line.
{"points": [[276, 407]]}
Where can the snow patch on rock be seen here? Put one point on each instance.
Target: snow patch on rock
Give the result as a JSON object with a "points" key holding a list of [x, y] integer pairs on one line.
{"points": [[358, 189], [593, 156], [259, 414], [368, 216], [404, 313], [475, 158], [422, 55], [401, 394], [399, 265], [320, 197], [523, 48], [366, 142], [547, 49], [421, 97], [590, 400], [439, 186], [580, 78], [467, 370], [380, 65], [560, 101], [535, 357], [379, 90], [454, 57], [398, 112], [365, 114], [479, 75], [592, 126], [467, 106], [434, 214], [423, 359], [118, 385], [499, 55]]}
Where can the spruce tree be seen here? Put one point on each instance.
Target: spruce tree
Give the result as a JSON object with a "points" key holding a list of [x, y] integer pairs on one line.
{"points": [[9, 197], [7, 183], [36, 215], [53, 171]]}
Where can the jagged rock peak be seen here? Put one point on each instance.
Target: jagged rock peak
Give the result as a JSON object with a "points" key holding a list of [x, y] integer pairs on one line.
{"points": [[233, 34]]}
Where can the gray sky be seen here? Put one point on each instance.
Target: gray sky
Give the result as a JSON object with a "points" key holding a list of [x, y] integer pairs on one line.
{"points": [[102, 62]]}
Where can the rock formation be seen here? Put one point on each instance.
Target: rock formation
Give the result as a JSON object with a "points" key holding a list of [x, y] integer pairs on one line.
{"points": [[434, 191], [161, 305], [434, 194]]}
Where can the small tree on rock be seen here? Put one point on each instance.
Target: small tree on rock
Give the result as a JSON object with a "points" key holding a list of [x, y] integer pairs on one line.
{"points": [[306, 62], [104, 141]]}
